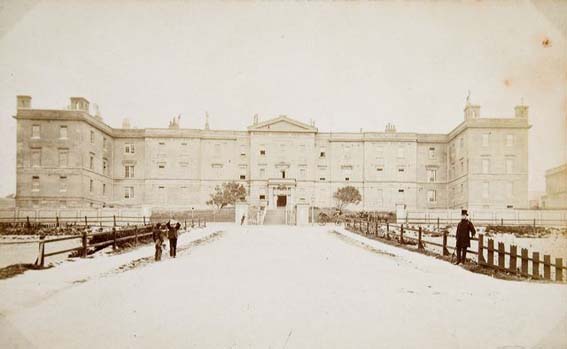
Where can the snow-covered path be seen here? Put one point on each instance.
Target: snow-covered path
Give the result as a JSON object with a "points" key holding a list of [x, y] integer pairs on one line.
{"points": [[277, 287]]}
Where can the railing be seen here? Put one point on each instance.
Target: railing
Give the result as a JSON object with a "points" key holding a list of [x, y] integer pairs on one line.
{"points": [[117, 234], [489, 221], [388, 231]]}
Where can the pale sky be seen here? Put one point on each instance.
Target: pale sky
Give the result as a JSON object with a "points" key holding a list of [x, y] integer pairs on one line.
{"points": [[347, 65]]}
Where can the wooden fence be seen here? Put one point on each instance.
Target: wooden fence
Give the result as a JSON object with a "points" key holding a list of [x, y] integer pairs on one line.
{"points": [[497, 258], [131, 230]]}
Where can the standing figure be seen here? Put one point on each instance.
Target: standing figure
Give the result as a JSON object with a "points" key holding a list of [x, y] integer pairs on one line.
{"points": [[158, 241], [172, 234], [463, 238], [242, 219]]}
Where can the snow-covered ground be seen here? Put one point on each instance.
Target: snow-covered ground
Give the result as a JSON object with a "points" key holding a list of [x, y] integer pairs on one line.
{"points": [[276, 287]]}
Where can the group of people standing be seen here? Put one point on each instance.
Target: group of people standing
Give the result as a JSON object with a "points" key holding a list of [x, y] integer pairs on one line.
{"points": [[172, 233]]}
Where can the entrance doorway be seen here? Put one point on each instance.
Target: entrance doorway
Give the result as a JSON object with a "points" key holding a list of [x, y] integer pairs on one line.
{"points": [[282, 201]]}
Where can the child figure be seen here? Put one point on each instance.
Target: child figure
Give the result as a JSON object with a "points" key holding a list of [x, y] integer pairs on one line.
{"points": [[158, 241]]}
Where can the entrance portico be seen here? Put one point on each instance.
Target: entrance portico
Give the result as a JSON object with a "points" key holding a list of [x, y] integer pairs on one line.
{"points": [[281, 192]]}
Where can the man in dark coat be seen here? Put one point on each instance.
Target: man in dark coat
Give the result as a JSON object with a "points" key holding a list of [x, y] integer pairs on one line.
{"points": [[463, 238], [158, 241], [172, 235]]}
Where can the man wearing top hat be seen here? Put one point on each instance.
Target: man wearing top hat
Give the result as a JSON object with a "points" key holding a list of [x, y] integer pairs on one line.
{"points": [[463, 238]]}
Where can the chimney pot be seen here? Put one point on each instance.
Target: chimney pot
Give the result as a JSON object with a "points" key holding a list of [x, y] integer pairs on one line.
{"points": [[24, 102]]}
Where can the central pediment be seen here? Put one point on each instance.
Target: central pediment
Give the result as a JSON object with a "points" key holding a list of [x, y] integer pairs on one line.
{"points": [[282, 124]]}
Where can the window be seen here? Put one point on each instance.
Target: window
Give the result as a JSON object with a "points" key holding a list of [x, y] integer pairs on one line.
{"points": [[183, 164], [161, 144], [128, 192], [283, 174], [431, 196], [262, 197], [217, 149], [36, 157], [379, 151], [104, 145], [302, 173], [509, 165], [431, 153], [322, 152], [129, 148], [322, 178], [105, 167], [485, 140], [63, 132], [401, 151], [36, 131], [485, 165], [62, 184], [91, 161], [103, 188], [485, 190], [35, 183], [242, 176], [91, 185], [461, 188], [401, 169], [62, 203], [347, 179], [161, 165], [242, 150], [92, 136], [262, 152], [262, 173], [400, 190], [431, 175], [461, 142], [509, 140], [509, 189], [63, 157], [462, 163], [129, 171], [379, 169]]}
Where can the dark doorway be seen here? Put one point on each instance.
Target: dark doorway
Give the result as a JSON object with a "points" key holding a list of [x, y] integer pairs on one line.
{"points": [[283, 174], [282, 201]]}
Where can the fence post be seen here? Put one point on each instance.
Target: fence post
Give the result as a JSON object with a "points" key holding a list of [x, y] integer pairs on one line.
{"points": [[145, 220], [501, 221], [57, 221], [558, 269], [86, 222], [28, 224], [192, 223], [136, 235], [534, 227], [513, 258], [501, 256], [367, 228], [114, 220], [41, 255], [419, 244], [490, 253], [387, 230], [547, 267], [402, 234], [204, 222], [445, 250], [535, 265], [524, 261], [481, 260], [438, 224], [84, 241], [114, 238]]}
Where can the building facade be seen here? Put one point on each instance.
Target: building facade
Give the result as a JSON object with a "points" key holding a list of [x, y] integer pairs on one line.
{"points": [[70, 158], [555, 188]]}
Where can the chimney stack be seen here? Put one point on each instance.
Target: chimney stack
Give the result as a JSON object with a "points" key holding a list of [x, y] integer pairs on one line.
{"points": [[126, 123], [255, 119], [521, 111], [79, 103], [24, 102], [390, 128]]}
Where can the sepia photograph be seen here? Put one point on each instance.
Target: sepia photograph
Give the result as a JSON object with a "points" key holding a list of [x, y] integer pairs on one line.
{"points": [[283, 174]]}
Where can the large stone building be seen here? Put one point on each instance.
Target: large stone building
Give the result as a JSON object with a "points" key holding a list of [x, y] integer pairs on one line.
{"points": [[70, 158], [555, 188]]}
